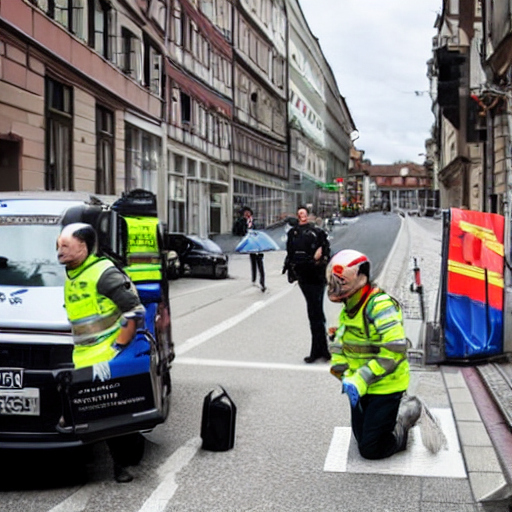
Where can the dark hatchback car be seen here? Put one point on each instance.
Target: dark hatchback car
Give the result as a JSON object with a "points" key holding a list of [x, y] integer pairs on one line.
{"points": [[199, 257]]}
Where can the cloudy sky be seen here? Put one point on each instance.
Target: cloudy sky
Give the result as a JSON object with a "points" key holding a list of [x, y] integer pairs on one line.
{"points": [[378, 51]]}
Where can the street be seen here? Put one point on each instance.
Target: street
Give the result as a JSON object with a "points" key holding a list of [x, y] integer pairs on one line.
{"points": [[229, 333]]}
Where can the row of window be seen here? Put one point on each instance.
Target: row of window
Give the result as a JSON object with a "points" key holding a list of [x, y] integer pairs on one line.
{"points": [[142, 150], [259, 154], [253, 99], [190, 114], [261, 54], [96, 23], [59, 133]]}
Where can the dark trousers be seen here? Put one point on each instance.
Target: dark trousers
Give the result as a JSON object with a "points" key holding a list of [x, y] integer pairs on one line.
{"points": [[257, 264], [314, 295], [373, 422]]}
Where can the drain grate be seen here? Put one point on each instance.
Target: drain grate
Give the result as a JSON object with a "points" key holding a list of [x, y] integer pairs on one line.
{"points": [[498, 380]]}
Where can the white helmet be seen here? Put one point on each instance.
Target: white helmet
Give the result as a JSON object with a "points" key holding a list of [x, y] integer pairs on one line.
{"points": [[347, 272]]}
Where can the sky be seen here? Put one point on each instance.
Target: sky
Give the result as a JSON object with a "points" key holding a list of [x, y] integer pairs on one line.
{"points": [[378, 51]]}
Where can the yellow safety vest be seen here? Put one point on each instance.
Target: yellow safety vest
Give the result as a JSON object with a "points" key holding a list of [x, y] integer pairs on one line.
{"points": [[95, 319], [373, 344], [142, 251]]}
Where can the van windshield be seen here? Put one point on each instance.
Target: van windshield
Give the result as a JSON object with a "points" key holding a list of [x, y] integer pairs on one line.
{"points": [[28, 255]]}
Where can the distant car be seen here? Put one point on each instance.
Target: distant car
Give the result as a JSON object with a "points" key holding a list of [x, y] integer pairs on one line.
{"points": [[199, 257]]}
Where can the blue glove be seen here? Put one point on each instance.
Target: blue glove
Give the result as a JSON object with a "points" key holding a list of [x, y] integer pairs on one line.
{"points": [[355, 387], [351, 391]]}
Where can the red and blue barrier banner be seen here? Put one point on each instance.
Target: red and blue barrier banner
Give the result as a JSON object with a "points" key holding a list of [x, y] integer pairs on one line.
{"points": [[473, 316]]}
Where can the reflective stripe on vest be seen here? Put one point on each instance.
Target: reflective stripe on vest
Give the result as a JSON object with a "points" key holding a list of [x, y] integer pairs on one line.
{"points": [[381, 362], [142, 251], [95, 319]]}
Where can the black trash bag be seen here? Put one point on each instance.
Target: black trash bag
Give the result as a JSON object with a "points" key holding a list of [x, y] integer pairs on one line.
{"points": [[218, 422]]}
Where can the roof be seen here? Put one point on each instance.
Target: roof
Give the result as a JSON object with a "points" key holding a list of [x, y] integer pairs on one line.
{"points": [[399, 169]]}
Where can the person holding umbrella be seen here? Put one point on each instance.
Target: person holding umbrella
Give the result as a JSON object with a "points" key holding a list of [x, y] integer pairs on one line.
{"points": [[254, 243]]}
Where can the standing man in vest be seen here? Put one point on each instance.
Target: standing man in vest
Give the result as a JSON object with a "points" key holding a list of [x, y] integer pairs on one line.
{"points": [[369, 356], [103, 308], [308, 252]]}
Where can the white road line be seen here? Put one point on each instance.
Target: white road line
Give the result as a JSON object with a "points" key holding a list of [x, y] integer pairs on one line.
{"points": [[77, 501], [195, 341], [252, 365], [161, 496]]}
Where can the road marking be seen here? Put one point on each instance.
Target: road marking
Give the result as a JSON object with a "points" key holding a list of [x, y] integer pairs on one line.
{"points": [[160, 497], [343, 456], [188, 291], [195, 341], [77, 501], [321, 367]]}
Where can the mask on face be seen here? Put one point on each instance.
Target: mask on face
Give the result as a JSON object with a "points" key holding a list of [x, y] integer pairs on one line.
{"points": [[343, 274]]}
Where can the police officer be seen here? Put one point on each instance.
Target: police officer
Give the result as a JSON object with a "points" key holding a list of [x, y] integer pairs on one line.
{"points": [[369, 356], [308, 252], [103, 308]]}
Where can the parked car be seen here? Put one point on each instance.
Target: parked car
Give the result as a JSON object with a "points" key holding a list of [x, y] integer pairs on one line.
{"points": [[45, 402], [200, 257]]}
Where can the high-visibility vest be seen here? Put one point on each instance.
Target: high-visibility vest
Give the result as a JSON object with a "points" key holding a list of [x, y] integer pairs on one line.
{"points": [[372, 343], [95, 319], [142, 251]]}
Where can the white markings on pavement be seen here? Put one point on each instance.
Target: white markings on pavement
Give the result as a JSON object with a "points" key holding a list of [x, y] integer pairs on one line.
{"points": [[77, 501], [161, 496], [321, 367], [343, 456], [336, 460], [195, 341]]}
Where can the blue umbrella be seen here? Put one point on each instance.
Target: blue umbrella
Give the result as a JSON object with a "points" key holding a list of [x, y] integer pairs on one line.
{"points": [[256, 241]]}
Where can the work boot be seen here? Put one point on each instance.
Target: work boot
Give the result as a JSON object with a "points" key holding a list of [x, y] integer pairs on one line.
{"points": [[409, 411]]}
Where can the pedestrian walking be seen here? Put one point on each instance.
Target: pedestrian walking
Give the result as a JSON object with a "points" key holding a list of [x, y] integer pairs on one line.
{"points": [[369, 356], [307, 254], [243, 226]]}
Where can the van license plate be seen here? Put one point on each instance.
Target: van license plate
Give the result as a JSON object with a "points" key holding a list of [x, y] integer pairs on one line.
{"points": [[19, 402]]}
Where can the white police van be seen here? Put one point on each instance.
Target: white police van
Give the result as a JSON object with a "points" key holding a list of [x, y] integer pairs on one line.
{"points": [[44, 401]]}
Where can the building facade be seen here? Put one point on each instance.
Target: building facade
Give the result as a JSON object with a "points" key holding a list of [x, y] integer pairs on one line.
{"points": [[320, 124], [471, 83], [189, 99], [198, 116], [260, 149]]}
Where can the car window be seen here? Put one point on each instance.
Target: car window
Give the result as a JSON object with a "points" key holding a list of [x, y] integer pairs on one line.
{"points": [[28, 255], [177, 243], [207, 244]]}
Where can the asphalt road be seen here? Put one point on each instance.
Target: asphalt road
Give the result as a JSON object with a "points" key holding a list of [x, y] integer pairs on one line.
{"points": [[229, 333]]}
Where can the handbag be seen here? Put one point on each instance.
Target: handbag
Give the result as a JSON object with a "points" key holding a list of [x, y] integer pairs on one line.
{"points": [[218, 422]]}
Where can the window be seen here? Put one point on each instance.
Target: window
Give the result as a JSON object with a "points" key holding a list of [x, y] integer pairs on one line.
{"points": [[150, 161], [131, 52], [59, 121], [132, 157], [186, 110], [177, 23], [152, 68], [69, 13], [99, 27], [207, 8], [175, 105], [105, 176]]}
